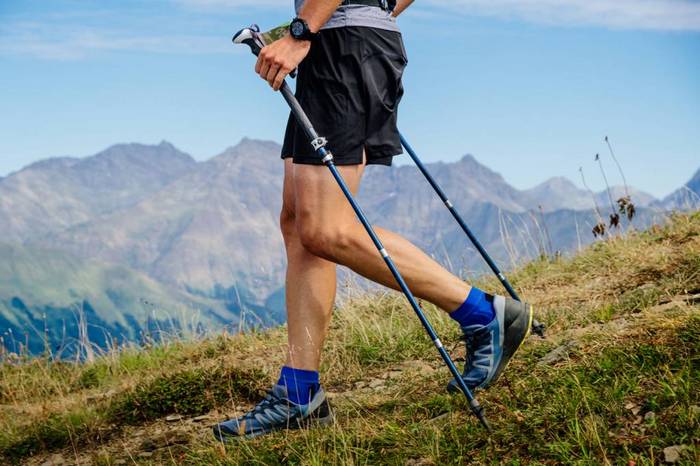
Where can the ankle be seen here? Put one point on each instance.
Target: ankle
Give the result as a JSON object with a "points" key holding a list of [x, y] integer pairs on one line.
{"points": [[300, 384], [476, 309]]}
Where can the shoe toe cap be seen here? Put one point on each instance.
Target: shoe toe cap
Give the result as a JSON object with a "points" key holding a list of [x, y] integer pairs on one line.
{"points": [[225, 429], [473, 381]]}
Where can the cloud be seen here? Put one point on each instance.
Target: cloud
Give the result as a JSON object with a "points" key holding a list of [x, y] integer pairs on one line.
{"points": [[671, 15], [231, 4], [44, 41], [668, 15], [69, 35]]}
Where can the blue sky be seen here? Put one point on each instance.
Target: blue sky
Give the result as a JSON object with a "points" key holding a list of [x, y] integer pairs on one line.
{"points": [[530, 87]]}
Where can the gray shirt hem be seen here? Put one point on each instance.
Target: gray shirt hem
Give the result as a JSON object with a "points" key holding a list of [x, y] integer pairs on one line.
{"points": [[359, 15]]}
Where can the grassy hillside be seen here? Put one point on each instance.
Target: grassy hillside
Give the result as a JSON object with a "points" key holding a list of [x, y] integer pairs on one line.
{"points": [[47, 293], [616, 381]]}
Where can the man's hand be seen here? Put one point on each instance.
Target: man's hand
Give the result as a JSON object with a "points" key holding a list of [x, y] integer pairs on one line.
{"points": [[401, 5], [279, 58]]}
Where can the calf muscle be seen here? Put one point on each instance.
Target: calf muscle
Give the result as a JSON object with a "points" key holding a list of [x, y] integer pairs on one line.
{"points": [[328, 228]]}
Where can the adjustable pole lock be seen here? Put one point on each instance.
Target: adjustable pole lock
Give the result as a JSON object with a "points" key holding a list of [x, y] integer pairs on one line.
{"points": [[319, 142]]}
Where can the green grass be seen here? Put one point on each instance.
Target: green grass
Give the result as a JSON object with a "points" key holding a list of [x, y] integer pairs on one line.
{"points": [[570, 414], [631, 344], [192, 391]]}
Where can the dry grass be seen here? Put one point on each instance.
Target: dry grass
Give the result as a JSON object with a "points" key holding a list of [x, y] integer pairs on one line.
{"points": [[623, 341]]}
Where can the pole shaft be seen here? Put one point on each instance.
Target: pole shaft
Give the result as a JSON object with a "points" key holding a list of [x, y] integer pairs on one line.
{"points": [[473, 403], [475, 241], [459, 219]]}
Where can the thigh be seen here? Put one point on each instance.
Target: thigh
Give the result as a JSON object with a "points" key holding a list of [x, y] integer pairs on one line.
{"points": [[319, 201], [288, 221], [288, 196]]}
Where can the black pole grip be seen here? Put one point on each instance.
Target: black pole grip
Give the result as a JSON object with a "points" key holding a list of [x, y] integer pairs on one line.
{"points": [[255, 48]]}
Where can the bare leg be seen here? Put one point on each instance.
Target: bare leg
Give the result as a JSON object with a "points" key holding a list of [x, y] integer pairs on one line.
{"points": [[328, 228], [310, 282]]}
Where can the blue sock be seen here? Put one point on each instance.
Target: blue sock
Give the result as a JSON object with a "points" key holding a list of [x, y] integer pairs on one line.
{"points": [[477, 309], [300, 383]]}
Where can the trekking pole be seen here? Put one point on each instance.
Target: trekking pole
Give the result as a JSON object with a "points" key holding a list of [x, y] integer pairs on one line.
{"points": [[250, 37], [537, 327]]}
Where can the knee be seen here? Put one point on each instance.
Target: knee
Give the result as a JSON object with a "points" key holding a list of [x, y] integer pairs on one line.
{"points": [[326, 240]]}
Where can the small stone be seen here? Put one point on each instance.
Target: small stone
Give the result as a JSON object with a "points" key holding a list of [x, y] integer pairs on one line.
{"points": [[360, 384], [201, 418], [338, 395], [145, 454], [376, 383], [633, 407], [165, 439], [419, 366], [558, 354], [54, 460], [440, 417], [173, 418], [419, 462], [393, 374], [673, 453], [650, 416]]}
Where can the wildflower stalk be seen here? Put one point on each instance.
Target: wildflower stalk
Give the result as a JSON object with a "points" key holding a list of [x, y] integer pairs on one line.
{"points": [[599, 228], [625, 204], [614, 216]]}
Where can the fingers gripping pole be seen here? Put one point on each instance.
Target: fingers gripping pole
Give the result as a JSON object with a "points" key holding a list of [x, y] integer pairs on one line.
{"points": [[537, 327], [248, 37]]}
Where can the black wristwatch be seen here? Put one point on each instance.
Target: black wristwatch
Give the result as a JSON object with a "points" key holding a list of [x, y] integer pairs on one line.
{"points": [[299, 29]]}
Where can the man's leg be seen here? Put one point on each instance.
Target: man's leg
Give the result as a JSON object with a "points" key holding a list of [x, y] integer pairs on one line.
{"points": [[495, 326], [328, 228], [311, 280], [310, 292]]}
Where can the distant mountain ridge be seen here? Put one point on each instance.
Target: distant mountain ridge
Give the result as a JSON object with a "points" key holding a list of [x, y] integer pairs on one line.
{"points": [[560, 193], [201, 230], [204, 235], [687, 197], [54, 194]]}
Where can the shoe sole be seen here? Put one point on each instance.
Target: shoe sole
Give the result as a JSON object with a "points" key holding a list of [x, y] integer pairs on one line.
{"points": [[309, 423], [300, 425]]}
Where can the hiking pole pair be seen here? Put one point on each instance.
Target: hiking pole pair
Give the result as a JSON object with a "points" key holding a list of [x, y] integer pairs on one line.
{"points": [[537, 327], [251, 37]]}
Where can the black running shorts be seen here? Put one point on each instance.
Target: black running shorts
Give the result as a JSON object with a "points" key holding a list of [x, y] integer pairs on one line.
{"points": [[350, 87]]}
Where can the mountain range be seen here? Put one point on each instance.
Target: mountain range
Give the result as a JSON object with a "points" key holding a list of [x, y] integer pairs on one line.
{"points": [[142, 238]]}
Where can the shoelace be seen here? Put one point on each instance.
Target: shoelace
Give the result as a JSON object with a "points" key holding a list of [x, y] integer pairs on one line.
{"points": [[270, 409], [478, 339]]}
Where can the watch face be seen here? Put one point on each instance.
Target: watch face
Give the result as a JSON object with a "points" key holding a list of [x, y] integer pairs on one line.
{"points": [[297, 29]]}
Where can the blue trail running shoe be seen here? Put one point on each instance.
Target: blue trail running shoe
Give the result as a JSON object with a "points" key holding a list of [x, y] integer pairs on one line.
{"points": [[276, 412], [490, 347]]}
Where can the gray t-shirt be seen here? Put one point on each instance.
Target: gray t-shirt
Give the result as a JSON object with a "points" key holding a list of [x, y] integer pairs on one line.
{"points": [[358, 15]]}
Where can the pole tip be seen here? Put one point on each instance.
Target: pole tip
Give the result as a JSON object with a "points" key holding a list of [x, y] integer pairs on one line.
{"points": [[538, 329]]}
